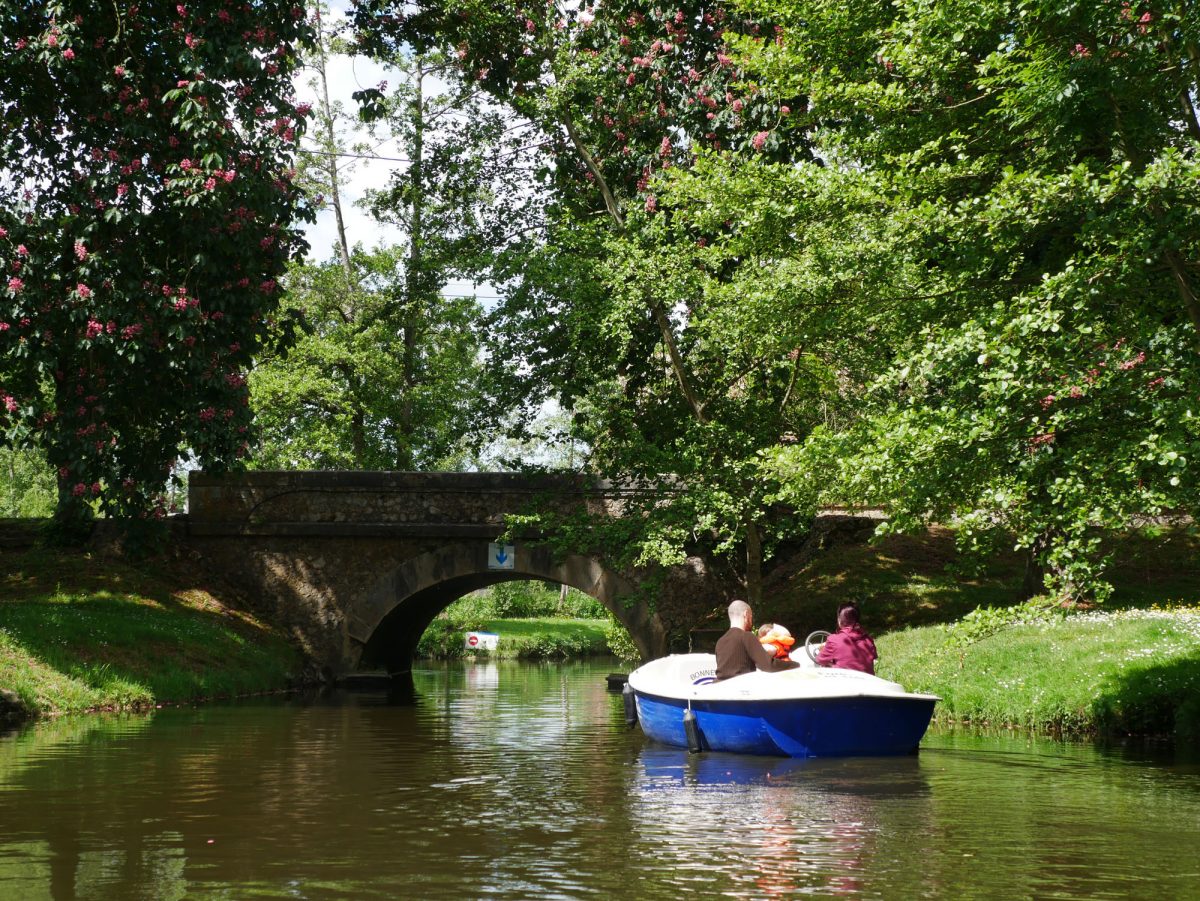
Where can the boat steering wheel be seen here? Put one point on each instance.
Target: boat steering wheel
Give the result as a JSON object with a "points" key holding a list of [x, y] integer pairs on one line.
{"points": [[811, 647]]}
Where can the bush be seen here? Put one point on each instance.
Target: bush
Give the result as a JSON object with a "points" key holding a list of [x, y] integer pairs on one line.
{"points": [[525, 599]]}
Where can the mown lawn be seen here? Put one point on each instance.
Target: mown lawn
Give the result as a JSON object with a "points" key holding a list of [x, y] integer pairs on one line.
{"points": [[79, 634], [1115, 672]]}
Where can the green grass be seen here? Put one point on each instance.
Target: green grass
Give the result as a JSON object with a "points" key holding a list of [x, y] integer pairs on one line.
{"points": [[1121, 672], [530, 638], [548, 638], [78, 634]]}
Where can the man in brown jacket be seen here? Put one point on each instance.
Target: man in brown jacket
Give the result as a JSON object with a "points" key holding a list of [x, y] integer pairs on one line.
{"points": [[739, 650]]}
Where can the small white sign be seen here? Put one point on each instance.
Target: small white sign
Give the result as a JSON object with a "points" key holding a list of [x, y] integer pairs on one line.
{"points": [[482, 641], [501, 556]]}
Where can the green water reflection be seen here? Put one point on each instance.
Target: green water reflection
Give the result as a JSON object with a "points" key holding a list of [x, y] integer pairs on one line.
{"points": [[521, 781]]}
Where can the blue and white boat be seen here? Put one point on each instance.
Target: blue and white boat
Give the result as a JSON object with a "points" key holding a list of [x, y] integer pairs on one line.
{"points": [[811, 711]]}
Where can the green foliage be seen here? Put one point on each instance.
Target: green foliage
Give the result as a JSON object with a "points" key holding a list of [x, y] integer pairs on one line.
{"points": [[533, 620], [606, 310], [27, 485], [526, 598], [344, 397], [620, 642], [1040, 161]]}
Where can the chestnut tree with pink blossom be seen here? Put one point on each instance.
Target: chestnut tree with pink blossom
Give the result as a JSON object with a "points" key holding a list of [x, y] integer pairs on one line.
{"points": [[147, 212]]}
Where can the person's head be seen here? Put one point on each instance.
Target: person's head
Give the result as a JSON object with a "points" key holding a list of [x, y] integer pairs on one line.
{"points": [[847, 615], [740, 615]]}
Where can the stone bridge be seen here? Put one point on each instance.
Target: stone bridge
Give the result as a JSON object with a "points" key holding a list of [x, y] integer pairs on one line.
{"points": [[356, 565]]}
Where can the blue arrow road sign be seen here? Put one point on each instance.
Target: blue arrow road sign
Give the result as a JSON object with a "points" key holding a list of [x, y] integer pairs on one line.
{"points": [[501, 556]]}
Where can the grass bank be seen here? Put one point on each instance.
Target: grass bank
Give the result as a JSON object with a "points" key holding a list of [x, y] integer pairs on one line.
{"points": [[79, 634], [1129, 672], [1131, 667], [528, 638]]}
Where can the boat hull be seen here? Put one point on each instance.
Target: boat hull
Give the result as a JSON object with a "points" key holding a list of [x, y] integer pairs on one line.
{"points": [[808, 727]]}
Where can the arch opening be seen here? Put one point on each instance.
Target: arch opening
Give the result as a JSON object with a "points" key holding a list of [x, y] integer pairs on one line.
{"points": [[390, 621]]}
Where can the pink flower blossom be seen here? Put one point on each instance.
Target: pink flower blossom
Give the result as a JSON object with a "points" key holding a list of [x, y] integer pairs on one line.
{"points": [[210, 183], [22, 43], [207, 414], [81, 251], [760, 139], [94, 329], [1047, 401], [651, 204], [52, 41], [68, 54], [10, 404], [22, 250], [119, 71], [1130, 364], [83, 291], [15, 285], [79, 490], [785, 111], [3, 232]]}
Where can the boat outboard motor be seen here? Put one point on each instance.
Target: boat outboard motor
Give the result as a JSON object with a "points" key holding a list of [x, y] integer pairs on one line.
{"points": [[692, 731], [627, 697]]}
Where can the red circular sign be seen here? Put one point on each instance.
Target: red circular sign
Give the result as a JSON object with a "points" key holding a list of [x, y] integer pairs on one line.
{"points": [[472, 640]]}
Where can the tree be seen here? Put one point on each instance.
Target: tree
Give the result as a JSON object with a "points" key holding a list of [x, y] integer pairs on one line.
{"points": [[147, 214], [1044, 161], [390, 375], [616, 327], [345, 398]]}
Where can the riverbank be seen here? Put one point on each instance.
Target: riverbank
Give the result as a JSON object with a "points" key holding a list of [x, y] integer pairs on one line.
{"points": [[80, 633], [1130, 667], [525, 638], [1112, 673]]}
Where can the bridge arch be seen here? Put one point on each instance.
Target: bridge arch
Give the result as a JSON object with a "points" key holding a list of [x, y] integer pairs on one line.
{"points": [[386, 623]]}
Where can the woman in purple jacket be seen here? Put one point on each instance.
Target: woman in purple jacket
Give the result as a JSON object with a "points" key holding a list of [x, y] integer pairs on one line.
{"points": [[849, 647]]}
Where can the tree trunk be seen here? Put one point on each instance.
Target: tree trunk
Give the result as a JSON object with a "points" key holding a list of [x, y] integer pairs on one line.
{"points": [[753, 563], [331, 165], [414, 281]]}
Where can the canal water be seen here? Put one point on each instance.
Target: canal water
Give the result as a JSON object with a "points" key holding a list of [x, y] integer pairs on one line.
{"points": [[519, 781]]}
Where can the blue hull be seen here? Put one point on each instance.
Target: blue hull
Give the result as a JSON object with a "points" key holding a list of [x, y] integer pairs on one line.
{"points": [[817, 727]]}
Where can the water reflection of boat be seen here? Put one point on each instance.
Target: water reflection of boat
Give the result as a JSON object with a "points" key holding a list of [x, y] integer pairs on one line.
{"points": [[807, 712], [664, 766]]}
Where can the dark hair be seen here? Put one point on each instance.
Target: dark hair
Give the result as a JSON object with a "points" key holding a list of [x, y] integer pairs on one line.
{"points": [[847, 615]]}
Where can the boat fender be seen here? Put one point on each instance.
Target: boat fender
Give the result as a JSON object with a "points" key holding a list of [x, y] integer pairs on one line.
{"points": [[627, 697], [692, 730]]}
